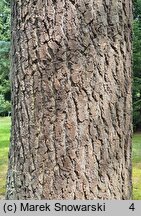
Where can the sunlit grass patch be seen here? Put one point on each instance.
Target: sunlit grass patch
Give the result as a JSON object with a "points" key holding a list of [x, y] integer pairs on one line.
{"points": [[136, 161], [4, 147], [137, 182]]}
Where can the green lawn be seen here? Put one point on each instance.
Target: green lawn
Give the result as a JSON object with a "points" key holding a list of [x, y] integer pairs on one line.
{"points": [[136, 162], [4, 144]]}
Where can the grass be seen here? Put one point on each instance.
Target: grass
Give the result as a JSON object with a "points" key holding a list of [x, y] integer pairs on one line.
{"points": [[4, 146], [136, 162]]}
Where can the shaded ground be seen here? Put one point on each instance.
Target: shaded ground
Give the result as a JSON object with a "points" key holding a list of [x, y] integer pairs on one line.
{"points": [[4, 144]]}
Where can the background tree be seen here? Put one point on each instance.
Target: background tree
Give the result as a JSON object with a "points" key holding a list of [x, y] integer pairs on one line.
{"points": [[5, 91], [71, 99], [137, 66]]}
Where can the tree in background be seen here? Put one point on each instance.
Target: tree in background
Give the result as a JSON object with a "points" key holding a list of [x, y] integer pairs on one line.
{"points": [[71, 100], [5, 90], [137, 65]]}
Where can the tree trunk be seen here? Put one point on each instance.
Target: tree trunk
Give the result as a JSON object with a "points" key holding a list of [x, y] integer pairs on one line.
{"points": [[71, 98]]}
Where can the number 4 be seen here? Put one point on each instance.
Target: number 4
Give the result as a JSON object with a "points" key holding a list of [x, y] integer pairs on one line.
{"points": [[132, 207]]}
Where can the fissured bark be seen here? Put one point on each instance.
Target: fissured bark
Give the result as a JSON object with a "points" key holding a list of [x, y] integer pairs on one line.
{"points": [[71, 98]]}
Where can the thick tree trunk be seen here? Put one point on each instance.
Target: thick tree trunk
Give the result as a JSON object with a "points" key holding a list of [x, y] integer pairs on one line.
{"points": [[71, 95]]}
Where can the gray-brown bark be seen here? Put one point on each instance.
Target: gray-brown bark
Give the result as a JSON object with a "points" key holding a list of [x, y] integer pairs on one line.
{"points": [[71, 96]]}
